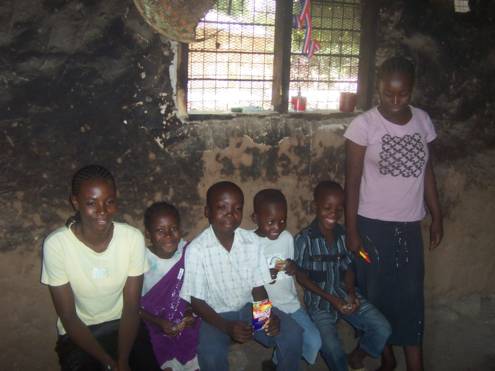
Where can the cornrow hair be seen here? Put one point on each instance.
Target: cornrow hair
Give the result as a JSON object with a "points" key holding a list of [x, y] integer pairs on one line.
{"points": [[268, 196], [86, 173], [396, 64], [326, 185], [159, 208], [222, 186]]}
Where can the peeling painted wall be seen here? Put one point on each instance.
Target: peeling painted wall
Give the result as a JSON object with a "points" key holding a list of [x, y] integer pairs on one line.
{"points": [[285, 152]]}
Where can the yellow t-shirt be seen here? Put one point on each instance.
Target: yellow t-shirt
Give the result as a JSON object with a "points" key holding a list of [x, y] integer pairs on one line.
{"points": [[96, 279]]}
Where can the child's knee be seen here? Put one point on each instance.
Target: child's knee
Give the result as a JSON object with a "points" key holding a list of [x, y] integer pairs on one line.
{"points": [[332, 345], [289, 325], [212, 358], [313, 339], [383, 330]]}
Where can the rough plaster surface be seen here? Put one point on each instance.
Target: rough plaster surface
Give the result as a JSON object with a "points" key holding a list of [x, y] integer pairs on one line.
{"points": [[293, 155]]}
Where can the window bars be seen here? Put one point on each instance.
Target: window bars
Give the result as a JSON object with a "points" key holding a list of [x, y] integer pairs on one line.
{"points": [[232, 67]]}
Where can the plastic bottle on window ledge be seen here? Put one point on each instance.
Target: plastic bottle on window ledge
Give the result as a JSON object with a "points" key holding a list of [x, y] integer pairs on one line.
{"points": [[298, 102], [347, 102]]}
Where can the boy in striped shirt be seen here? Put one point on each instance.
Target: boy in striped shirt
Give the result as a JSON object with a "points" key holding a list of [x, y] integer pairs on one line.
{"points": [[324, 269]]}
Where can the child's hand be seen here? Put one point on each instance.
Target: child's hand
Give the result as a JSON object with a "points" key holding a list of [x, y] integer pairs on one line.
{"points": [[342, 306], [240, 331], [290, 267], [272, 326], [354, 301], [169, 328], [353, 242], [280, 265], [436, 233], [188, 321], [273, 273]]}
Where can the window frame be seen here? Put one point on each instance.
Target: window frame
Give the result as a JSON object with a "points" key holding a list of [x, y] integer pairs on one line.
{"points": [[282, 55]]}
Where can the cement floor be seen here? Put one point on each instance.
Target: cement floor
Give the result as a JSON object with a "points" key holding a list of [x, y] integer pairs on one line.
{"points": [[459, 336]]}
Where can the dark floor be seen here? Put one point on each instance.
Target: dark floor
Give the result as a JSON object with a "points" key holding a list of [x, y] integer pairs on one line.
{"points": [[459, 336]]}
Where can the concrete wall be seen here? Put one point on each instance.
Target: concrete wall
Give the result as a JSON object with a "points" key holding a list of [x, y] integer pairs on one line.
{"points": [[290, 153]]}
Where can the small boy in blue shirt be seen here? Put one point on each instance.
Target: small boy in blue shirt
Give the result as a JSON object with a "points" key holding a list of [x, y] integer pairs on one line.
{"points": [[324, 269]]}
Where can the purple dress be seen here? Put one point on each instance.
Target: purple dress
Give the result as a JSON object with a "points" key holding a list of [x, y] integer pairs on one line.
{"points": [[163, 301]]}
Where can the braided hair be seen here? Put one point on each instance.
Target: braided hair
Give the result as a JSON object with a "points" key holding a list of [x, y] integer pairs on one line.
{"points": [[159, 208], [89, 172], [268, 196], [397, 64], [326, 185]]}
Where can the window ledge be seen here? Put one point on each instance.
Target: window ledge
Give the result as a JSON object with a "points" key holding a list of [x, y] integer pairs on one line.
{"points": [[308, 115]]}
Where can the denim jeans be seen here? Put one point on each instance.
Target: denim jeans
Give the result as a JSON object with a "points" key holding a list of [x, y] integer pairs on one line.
{"points": [[311, 335], [214, 344], [374, 329]]}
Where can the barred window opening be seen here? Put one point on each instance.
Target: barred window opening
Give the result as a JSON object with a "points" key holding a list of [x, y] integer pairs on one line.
{"points": [[232, 67]]}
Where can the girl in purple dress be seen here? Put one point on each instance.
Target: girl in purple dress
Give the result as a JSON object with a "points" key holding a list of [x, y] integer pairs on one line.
{"points": [[172, 326]]}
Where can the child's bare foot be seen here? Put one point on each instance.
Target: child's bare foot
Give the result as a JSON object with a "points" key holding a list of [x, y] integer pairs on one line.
{"points": [[356, 358], [388, 360]]}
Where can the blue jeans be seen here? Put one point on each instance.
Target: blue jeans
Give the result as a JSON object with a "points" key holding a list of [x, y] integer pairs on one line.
{"points": [[214, 344], [367, 319], [311, 335]]}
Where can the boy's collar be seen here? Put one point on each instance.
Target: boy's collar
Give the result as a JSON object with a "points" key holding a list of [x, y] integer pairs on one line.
{"points": [[314, 230], [215, 237]]}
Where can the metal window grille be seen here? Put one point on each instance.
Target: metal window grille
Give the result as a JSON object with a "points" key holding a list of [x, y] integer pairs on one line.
{"points": [[334, 68], [233, 66], [461, 6]]}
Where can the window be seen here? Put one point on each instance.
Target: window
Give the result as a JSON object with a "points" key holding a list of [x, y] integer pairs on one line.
{"points": [[250, 56], [461, 6], [334, 68], [233, 66]]}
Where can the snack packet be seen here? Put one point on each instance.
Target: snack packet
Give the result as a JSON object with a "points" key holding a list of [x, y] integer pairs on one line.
{"points": [[277, 263], [261, 313]]}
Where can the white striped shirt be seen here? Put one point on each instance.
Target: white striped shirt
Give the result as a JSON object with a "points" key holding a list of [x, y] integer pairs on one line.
{"points": [[224, 279]]}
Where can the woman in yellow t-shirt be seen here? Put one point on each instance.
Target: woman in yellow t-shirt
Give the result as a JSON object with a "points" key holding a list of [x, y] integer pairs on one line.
{"points": [[94, 269]]}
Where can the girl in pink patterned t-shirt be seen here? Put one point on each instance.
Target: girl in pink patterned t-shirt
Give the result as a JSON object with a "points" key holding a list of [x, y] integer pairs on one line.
{"points": [[389, 178]]}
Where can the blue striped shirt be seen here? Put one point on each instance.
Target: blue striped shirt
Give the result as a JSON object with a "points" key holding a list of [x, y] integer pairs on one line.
{"points": [[325, 265]]}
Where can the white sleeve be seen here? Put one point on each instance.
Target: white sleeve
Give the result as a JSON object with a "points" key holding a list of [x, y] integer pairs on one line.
{"points": [[290, 247], [431, 134], [53, 271], [357, 131], [194, 275], [138, 264], [261, 275]]}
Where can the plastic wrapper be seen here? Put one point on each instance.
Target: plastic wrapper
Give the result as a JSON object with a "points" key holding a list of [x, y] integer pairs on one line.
{"points": [[261, 313]]}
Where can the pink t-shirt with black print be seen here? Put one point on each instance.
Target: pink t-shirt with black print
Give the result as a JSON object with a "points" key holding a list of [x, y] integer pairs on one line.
{"points": [[392, 184]]}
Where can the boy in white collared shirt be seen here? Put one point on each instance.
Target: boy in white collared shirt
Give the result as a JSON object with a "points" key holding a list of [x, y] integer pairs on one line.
{"points": [[225, 270]]}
